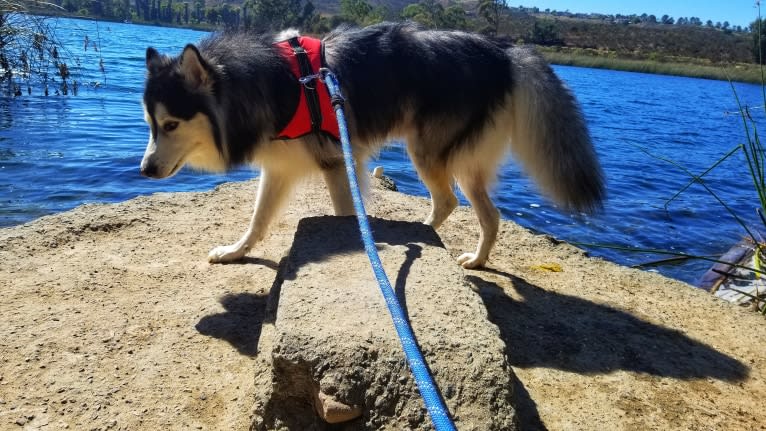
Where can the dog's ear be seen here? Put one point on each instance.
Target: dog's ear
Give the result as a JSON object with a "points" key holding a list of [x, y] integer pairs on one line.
{"points": [[154, 60], [194, 67]]}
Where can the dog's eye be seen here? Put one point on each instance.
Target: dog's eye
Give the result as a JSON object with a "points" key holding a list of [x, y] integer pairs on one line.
{"points": [[170, 126]]}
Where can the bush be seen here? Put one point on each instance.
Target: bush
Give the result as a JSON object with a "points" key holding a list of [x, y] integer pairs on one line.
{"points": [[30, 55]]}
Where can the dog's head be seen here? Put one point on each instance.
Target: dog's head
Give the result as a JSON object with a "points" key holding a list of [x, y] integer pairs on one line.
{"points": [[180, 108]]}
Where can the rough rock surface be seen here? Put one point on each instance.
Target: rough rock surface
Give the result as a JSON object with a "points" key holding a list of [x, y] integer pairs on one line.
{"points": [[335, 344], [111, 318]]}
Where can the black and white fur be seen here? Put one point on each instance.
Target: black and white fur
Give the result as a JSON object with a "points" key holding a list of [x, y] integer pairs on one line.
{"points": [[461, 101]]}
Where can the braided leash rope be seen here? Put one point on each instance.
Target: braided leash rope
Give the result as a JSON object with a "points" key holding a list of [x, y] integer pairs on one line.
{"points": [[428, 390]]}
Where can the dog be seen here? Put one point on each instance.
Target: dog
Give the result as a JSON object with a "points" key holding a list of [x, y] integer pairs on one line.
{"points": [[460, 101]]}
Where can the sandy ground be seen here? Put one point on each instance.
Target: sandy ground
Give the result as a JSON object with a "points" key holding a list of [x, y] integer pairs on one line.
{"points": [[112, 319]]}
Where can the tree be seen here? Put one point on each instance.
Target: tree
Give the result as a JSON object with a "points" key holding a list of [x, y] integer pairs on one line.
{"points": [[360, 12], [490, 11], [199, 5], [70, 5], [418, 13], [545, 32], [431, 14], [355, 10], [122, 9], [275, 14], [212, 15], [455, 18]]}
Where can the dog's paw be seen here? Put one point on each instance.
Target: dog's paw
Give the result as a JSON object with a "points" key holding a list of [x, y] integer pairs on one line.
{"points": [[470, 261], [226, 253]]}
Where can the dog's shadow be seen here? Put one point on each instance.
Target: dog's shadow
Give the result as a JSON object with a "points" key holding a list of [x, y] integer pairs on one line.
{"points": [[553, 330], [240, 325], [544, 329]]}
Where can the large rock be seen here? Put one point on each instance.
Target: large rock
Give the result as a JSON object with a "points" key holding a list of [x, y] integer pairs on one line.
{"points": [[336, 357]]}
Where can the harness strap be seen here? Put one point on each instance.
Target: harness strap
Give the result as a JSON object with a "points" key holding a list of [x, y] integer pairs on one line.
{"points": [[314, 113], [312, 97]]}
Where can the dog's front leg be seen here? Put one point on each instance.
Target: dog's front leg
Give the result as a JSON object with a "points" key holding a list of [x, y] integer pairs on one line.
{"points": [[273, 190]]}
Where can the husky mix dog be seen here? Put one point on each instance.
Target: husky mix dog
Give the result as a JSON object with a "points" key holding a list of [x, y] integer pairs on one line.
{"points": [[460, 101]]}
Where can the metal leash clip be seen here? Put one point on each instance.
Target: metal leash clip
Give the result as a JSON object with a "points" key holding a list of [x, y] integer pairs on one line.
{"points": [[335, 98], [308, 78]]}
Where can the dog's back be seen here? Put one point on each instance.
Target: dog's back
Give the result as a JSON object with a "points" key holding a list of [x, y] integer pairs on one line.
{"points": [[445, 85]]}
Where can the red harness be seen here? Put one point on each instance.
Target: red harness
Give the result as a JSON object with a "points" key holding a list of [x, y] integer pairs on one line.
{"points": [[314, 113]]}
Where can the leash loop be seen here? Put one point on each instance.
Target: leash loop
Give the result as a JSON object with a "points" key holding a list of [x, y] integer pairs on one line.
{"points": [[433, 400], [308, 78]]}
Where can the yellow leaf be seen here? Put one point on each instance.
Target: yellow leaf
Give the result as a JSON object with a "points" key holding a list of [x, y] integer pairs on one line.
{"points": [[551, 267]]}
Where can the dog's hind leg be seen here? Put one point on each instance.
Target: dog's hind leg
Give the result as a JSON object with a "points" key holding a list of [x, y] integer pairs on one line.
{"points": [[474, 187], [337, 184], [438, 181], [274, 188]]}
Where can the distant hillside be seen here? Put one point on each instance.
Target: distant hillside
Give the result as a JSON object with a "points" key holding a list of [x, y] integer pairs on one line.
{"points": [[635, 36], [333, 6], [638, 40]]}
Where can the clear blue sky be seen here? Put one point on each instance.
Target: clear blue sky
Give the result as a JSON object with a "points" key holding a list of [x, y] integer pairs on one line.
{"points": [[737, 12]]}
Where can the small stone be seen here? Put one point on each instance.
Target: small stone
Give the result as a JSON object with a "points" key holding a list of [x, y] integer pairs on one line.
{"points": [[333, 411], [449, 391]]}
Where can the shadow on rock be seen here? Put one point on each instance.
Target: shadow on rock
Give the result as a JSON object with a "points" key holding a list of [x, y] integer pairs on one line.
{"points": [[526, 409], [552, 330], [326, 230], [240, 324]]}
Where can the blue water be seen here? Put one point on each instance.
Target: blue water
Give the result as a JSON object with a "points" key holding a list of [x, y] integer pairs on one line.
{"points": [[59, 152]]}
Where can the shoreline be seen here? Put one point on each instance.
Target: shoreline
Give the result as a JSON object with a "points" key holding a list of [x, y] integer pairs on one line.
{"points": [[693, 68]]}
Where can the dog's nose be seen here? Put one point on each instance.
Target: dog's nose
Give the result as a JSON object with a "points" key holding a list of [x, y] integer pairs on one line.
{"points": [[148, 170]]}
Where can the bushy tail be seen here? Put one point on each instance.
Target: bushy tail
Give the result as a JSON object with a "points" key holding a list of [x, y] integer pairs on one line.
{"points": [[549, 134]]}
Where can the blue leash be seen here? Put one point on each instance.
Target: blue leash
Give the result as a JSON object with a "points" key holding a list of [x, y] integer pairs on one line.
{"points": [[428, 389]]}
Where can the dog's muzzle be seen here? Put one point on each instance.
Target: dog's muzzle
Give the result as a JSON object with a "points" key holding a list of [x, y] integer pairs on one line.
{"points": [[148, 170], [150, 166]]}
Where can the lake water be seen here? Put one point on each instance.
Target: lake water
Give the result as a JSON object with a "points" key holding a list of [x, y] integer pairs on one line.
{"points": [[59, 152]]}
